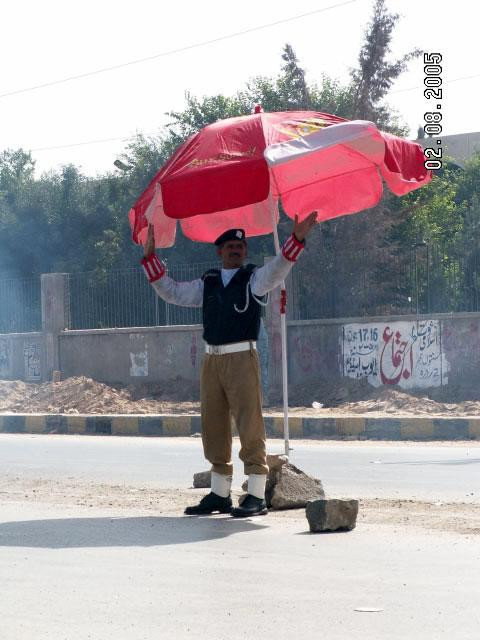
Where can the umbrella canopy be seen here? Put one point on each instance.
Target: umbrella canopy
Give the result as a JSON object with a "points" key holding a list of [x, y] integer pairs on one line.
{"points": [[312, 161]]}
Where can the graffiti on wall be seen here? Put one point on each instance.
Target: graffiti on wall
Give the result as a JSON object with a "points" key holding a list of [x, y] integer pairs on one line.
{"points": [[193, 350], [139, 364], [31, 356], [138, 359], [407, 354], [4, 357]]}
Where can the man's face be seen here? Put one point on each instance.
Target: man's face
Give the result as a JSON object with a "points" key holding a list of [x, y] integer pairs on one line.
{"points": [[232, 253]]}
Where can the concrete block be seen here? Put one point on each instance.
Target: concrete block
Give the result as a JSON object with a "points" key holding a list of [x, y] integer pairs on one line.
{"points": [[275, 460], [295, 427], [417, 429], [35, 424], [98, 424], [451, 429], [202, 480], [289, 488], [150, 426], [383, 428], [14, 424], [125, 425], [56, 424], [350, 426], [332, 515], [196, 423], [319, 427], [268, 421], [474, 428], [177, 426], [76, 424]]}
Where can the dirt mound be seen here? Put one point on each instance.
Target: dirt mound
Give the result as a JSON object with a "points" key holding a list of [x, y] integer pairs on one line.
{"points": [[392, 402], [359, 397], [84, 395]]}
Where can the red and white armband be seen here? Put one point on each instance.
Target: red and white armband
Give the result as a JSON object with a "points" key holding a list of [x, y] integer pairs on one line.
{"points": [[292, 248], [153, 267]]}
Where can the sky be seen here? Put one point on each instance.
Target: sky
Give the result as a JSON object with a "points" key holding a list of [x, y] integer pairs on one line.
{"points": [[87, 121]]}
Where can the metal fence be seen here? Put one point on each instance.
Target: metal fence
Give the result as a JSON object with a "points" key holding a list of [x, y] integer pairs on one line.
{"points": [[422, 279], [20, 305], [124, 298]]}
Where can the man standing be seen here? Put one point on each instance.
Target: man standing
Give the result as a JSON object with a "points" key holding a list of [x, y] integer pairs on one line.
{"points": [[231, 299]]}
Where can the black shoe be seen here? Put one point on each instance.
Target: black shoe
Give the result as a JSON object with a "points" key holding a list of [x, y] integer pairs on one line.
{"points": [[251, 506], [210, 503]]}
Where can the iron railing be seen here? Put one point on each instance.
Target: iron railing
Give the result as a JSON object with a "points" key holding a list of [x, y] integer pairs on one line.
{"points": [[20, 305], [124, 298], [422, 279]]}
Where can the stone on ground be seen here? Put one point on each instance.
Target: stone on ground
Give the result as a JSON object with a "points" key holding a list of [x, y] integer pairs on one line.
{"points": [[287, 487], [290, 488], [332, 515], [202, 480], [275, 461]]}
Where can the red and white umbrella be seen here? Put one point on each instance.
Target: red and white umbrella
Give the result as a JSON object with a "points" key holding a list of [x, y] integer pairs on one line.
{"points": [[222, 176], [233, 173]]}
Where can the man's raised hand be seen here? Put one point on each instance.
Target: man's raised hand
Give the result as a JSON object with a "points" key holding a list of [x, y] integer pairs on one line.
{"points": [[149, 247], [303, 228]]}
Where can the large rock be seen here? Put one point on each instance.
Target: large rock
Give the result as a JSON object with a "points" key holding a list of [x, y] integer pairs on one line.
{"points": [[275, 461], [286, 488], [332, 515], [202, 480], [289, 488]]}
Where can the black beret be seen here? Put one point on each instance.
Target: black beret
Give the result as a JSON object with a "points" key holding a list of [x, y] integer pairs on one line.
{"points": [[231, 234]]}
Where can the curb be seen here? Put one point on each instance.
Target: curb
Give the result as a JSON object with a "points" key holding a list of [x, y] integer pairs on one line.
{"points": [[336, 428]]}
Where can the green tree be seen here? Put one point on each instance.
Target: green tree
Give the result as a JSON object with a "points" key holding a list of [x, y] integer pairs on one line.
{"points": [[200, 112], [431, 213], [469, 180], [16, 171], [292, 83], [16, 183], [371, 230], [374, 76]]}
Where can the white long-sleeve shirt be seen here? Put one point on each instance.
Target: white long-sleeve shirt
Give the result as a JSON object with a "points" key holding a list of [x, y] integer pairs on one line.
{"points": [[190, 294]]}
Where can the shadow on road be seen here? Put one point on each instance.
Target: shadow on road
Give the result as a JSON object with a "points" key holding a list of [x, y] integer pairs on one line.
{"points": [[119, 532]]}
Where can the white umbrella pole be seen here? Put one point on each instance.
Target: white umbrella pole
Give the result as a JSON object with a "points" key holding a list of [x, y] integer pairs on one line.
{"points": [[283, 331]]}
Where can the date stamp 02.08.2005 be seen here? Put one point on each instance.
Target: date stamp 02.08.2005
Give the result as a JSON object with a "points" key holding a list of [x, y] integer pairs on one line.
{"points": [[433, 92]]}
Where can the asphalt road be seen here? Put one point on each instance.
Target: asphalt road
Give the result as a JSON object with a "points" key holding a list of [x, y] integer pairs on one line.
{"points": [[74, 566], [447, 471]]}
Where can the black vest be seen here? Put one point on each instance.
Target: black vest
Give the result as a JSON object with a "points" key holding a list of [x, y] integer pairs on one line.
{"points": [[222, 324]]}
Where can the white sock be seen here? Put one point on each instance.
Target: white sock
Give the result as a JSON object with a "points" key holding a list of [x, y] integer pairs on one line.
{"points": [[221, 484], [256, 485]]}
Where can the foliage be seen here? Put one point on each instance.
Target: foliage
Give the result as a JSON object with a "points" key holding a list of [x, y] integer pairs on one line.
{"points": [[66, 221], [375, 74]]}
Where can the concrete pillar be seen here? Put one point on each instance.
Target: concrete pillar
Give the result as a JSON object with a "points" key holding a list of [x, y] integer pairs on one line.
{"points": [[55, 317]]}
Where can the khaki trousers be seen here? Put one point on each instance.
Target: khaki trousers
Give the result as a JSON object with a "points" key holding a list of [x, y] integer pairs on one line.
{"points": [[230, 384]]}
